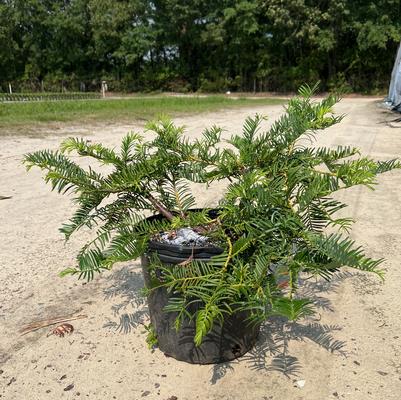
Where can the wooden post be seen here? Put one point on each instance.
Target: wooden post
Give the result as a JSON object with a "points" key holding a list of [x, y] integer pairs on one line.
{"points": [[10, 89]]}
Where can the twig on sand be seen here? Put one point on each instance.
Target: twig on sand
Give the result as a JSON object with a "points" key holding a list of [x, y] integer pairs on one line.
{"points": [[34, 326]]}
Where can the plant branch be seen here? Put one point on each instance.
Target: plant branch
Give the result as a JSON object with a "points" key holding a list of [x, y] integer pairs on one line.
{"points": [[159, 207]]}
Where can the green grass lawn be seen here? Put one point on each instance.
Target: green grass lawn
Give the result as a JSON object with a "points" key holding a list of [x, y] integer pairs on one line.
{"points": [[14, 115]]}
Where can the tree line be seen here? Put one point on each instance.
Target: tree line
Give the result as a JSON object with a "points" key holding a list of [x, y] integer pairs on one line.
{"points": [[190, 45]]}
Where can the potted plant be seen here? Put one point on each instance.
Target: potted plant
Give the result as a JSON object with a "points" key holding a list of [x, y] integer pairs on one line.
{"points": [[212, 276]]}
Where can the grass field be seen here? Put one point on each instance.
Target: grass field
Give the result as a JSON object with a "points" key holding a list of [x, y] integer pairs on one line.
{"points": [[14, 115]]}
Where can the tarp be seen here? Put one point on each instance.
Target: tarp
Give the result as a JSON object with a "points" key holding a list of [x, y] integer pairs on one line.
{"points": [[394, 94]]}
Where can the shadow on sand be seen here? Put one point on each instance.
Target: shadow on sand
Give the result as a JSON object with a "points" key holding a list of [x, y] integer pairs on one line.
{"points": [[271, 352], [126, 287]]}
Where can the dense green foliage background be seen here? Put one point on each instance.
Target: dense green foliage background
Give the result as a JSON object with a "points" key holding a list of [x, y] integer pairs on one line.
{"points": [[207, 45]]}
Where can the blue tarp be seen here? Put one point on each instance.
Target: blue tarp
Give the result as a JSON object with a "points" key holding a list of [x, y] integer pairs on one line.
{"points": [[394, 94]]}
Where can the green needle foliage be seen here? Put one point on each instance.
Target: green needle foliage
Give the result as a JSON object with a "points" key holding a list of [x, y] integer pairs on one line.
{"points": [[276, 220]]}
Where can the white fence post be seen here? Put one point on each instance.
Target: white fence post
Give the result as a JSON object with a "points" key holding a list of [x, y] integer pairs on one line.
{"points": [[104, 88]]}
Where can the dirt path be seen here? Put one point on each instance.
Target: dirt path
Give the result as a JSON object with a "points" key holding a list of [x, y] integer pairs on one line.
{"points": [[353, 351]]}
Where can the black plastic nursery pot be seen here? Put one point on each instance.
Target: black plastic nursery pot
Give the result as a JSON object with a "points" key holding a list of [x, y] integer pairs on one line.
{"points": [[227, 341]]}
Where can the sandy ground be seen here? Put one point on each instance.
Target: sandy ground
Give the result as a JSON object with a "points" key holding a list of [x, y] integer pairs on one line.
{"points": [[350, 350]]}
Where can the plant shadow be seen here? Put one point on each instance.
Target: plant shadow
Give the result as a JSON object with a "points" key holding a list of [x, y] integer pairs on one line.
{"points": [[272, 353], [131, 309]]}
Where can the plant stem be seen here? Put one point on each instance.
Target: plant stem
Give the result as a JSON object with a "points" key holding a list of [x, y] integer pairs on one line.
{"points": [[159, 207]]}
